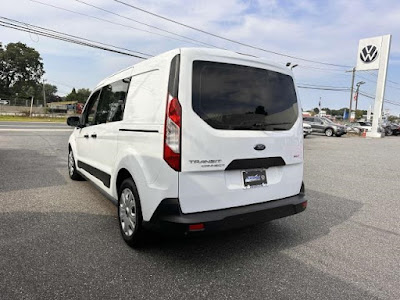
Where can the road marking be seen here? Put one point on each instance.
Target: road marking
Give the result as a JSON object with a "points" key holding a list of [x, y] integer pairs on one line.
{"points": [[34, 129], [32, 125]]}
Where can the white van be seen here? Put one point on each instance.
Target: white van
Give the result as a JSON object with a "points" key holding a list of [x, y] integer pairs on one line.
{"points": [[193, 140]]}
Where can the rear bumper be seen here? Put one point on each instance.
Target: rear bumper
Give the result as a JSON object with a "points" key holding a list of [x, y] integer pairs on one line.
{"points": [[169, 218]]}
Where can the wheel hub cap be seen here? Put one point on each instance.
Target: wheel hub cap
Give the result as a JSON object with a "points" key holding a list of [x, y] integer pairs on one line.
{"points": [[127, 212]]}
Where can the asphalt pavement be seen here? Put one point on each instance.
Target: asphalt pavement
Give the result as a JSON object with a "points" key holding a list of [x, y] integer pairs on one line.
{"points": [[59, 239]]}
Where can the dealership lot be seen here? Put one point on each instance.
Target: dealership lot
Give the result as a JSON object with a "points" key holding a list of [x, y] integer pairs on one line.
{"points": [[60, 239]]}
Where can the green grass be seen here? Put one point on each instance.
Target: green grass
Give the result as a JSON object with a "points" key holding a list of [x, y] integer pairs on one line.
{"points": [[33, 119]]}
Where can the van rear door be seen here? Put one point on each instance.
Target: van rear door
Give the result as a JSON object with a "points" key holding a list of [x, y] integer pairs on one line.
{"points": [[241, 138]]}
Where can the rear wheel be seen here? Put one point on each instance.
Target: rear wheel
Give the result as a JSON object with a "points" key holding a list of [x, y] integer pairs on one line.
{"points": [[389, 131], [329, 132], [130, 213], [73, 174]]}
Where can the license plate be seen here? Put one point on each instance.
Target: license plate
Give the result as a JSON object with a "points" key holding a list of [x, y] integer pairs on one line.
{"points": [[253, 178]]}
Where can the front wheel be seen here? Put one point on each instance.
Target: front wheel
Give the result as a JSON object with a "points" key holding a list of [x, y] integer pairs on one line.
{"points": [[329, 132], [130, 213], [389, 132], [73, 173]]}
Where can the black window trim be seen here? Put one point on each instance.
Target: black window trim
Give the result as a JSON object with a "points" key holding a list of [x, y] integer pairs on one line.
{"points": [[100, 89], [86, 108]]}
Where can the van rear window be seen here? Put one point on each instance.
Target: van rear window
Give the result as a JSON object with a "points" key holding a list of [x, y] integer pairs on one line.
{"points": [[235, 97]]}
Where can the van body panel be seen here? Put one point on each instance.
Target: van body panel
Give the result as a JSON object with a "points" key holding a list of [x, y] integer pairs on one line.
{"points": [[204, 184], [154, 179]]}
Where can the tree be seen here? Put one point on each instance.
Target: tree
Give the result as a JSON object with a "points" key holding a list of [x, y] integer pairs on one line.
{"points": [[21, 69], [50, 92], [81, 95], [71, 96]]}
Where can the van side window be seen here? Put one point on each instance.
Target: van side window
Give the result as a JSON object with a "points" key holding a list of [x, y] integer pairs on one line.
{"points": [[112, 101], [90, 112]]}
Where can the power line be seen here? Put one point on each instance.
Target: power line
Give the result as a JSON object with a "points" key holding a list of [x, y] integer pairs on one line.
{"points": [[74, 36], [26, 27], [151, 26], [112, 22], [375, 75], [224, 38], [323, 69], [385, 100], [323, 88]]}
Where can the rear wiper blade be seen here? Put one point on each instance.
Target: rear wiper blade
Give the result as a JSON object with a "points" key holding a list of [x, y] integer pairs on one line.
{"points": [[259, 126]]}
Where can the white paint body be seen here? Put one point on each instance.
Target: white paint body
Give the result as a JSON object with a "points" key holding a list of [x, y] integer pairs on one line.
{"points": [[141, 153]]}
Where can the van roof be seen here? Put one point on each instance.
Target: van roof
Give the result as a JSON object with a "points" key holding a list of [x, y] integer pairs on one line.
{"points": [[198, 51]]}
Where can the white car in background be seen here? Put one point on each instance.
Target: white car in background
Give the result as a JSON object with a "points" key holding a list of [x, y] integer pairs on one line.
{"points": [[4, 102], [307, 129], [360, 126]]}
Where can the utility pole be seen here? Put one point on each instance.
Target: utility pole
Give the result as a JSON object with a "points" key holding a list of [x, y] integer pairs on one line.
{"points": [[319, 107], [30, 112], [351, 91], [358, 88], [44, 95]]}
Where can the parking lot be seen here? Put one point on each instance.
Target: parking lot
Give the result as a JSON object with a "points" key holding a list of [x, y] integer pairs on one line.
{"points": [[60, 239]]}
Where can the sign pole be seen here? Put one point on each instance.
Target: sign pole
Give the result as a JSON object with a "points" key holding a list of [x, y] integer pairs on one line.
{"points": [[380, 86]]}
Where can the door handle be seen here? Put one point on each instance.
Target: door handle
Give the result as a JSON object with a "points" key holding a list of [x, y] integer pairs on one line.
{"points": [[94, 135], [86, 136]]}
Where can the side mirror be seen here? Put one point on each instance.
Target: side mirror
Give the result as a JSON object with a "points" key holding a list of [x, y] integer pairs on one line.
{"points": [[73, 121]]}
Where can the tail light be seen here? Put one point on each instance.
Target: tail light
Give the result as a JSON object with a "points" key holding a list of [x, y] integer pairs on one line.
{"points": [[172, 133]]}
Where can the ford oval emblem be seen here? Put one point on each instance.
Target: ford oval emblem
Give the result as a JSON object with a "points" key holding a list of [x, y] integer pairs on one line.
{"points": [[259, 147]]}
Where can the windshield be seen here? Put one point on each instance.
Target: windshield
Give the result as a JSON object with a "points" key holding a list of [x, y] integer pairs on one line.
{"points": [[235, 97], [327, 120]]}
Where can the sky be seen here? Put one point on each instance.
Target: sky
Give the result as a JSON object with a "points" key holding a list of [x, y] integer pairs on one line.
{"points": [[324, 31]]}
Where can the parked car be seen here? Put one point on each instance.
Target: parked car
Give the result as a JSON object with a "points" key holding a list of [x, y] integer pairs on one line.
{"points": [[199, 144], [326, 126], [4, 102], [360, 126], [391, 128], [307, 129]]}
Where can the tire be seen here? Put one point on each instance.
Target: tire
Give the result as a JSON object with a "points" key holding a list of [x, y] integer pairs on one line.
{"points": [[329, 132], [389, 132], [338, 135], [130, 213], [72, 172]]}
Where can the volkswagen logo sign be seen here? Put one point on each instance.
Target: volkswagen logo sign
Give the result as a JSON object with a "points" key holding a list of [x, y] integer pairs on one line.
{"points": [[368, 54], [259, 147]]}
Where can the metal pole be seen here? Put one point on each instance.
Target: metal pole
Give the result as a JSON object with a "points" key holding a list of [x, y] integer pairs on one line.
{"points": [[30, 113], [351, 91], [44, 95], [358, 88]]}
